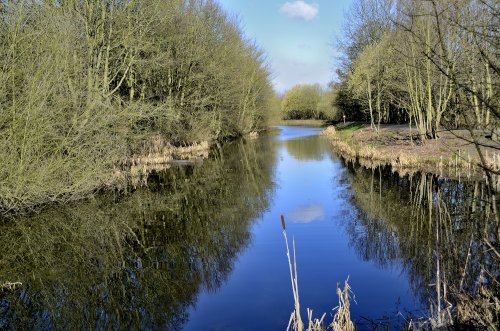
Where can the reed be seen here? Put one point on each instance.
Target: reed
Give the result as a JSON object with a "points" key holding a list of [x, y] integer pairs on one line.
{"points": [[342, 318], [295, 317], [253, 135], [453, 163], [329, 132], [157, 150]]}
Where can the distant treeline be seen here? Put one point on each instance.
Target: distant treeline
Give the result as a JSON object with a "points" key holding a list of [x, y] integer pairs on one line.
{"points": [[432, 64], [309, 102], [81, 81]]}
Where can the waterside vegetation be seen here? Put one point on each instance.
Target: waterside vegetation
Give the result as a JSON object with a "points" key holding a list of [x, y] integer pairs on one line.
{"points": [[430, 65], [309, 102], [341, 320], [399, 147], [135, 260], [445, 232], [85, 84]]}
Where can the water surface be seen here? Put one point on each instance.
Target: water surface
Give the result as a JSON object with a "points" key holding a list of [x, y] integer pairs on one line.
{"points": [[201, 248], [313, 192]]}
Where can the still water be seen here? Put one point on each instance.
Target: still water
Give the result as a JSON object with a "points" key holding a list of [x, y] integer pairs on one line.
{"points": [[201, 248]]}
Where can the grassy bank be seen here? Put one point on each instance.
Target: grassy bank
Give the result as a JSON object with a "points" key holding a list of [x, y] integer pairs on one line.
{"points": [[399, 146]]}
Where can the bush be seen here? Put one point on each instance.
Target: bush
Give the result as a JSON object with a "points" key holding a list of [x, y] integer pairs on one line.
{"points": [[82, 81]]}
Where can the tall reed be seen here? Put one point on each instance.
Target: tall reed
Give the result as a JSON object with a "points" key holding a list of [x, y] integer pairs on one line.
{"points": [[342, 318]]}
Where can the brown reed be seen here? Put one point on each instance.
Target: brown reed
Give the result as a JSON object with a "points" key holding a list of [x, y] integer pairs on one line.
{"points": [[341, 319]]}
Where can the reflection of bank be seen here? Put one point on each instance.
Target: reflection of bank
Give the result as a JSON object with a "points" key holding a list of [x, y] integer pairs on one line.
{"points": [[314, 148], [136, 261], [307, 214], [435, 227]]}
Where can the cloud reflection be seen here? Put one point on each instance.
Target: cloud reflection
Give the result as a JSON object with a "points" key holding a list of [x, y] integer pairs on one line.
{"points": [[308, 214]]}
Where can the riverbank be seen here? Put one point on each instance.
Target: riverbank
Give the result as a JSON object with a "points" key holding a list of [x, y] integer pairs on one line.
{"points": [[130, 172], [153, 154], [452, 154], [312, 123], [157, 154]]}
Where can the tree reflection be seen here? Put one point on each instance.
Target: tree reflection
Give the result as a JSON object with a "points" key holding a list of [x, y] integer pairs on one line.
{"points": [[136, 261], [445, 233], [313, 148]]}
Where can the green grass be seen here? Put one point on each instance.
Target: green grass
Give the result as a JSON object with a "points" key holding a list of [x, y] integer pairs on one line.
{"points": [[346, 130]]}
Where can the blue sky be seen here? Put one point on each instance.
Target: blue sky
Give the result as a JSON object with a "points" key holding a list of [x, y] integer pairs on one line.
{"points": [[297, 36]]}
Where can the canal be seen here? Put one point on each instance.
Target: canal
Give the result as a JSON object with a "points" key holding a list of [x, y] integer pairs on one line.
{"points": [[201, 246]]}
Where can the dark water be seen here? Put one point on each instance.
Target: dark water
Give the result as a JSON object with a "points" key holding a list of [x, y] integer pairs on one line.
{"points": [[201, 248]]}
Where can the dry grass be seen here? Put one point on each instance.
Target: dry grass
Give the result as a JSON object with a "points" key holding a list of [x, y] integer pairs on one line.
{"points": [[157, 150], [342, 318], [253, 135], [329, 132], [156, 154], [481, 309], [10, 286], [493, 161], [448, 155]]}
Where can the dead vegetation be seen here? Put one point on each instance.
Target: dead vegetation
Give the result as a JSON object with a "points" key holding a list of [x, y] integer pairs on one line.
{"points": [[450, 155], [155, 154], [341, 320], [9, 286], [329, 132], [253, 135], [482, 309]]}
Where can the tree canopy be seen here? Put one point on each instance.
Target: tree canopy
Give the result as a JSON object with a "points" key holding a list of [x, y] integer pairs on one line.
{"points": [[83, 81], [308, 102], [432, 64]]}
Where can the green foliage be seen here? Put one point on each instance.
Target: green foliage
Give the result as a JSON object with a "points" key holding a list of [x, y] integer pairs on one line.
{"points": [[327, 107], [310, 102], [82, 81], [347, 104], [423, 70], [348, 129], [301, 102], [274, 109]]}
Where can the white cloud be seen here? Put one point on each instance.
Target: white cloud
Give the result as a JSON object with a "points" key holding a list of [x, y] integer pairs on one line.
{"points": [[300, 9]]}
